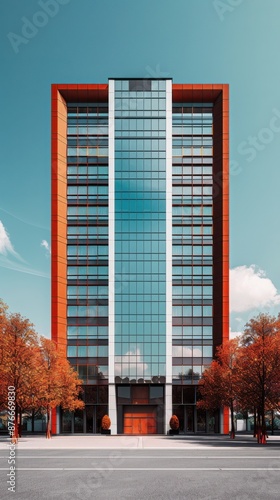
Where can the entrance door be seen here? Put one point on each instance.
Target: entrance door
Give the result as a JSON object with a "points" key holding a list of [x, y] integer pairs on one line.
{"points": [[189, 419], [89, 418], [139, 420]]}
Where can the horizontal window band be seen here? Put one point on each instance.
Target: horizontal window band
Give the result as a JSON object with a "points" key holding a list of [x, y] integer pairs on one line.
{"points": [[189, 361], [195, 302], [87, 199], [88, 361], [86, 182], [192, 241], [87, 160], [192, 281], [87, 281], [90, 219], [192, 262], [96, 341], [87, 302], [92, 266], [88, 241], [192, 321], [88, 224], [87, 262], [192, 342], [87, 321]]}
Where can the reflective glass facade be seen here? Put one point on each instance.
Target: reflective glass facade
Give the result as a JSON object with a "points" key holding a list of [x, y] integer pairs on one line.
{"points": [[139, 248], [140, 230]]}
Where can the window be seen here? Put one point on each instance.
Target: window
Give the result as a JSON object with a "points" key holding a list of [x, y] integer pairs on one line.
{"points": [[140, 85]]}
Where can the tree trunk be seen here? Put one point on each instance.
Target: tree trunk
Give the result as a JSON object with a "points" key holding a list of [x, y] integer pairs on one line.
{"points": [[19, 423], [263, 428], [258, 426], [255, 423], [246, 421], [48, 430], [232, 432], [15, 431], [261, 432], [272, 422], [32, 421]]}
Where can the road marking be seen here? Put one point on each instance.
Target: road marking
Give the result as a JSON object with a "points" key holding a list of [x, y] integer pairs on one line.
{"points": [[158, 469], [134, 448], [140, 442], [144, 457]]}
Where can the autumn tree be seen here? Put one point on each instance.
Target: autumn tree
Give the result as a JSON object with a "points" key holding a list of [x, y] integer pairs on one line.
{"points": [[218, 385], [246, 375], [40, 374], [18, 349], [59, 382], [259, 369]]}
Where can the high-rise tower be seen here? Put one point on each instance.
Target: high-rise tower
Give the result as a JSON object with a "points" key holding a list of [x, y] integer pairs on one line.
{"points": [[140, 248]]}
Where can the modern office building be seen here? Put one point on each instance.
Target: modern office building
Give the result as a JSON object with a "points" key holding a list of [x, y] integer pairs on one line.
{"points": [[140, 248]]}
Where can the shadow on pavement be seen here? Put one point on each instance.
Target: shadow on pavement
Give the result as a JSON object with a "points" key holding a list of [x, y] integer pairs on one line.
{"points": [[245, 440]]}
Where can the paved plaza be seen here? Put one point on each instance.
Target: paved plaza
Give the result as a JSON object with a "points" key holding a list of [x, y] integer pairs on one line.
{"points": [[142, 467], [88, 442]]}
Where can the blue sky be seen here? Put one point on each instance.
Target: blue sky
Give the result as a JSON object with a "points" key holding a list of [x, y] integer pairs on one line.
{"points": [[192, 41]]}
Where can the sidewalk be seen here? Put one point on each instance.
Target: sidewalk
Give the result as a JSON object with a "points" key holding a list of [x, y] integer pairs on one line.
{"points": [[87, 442]]}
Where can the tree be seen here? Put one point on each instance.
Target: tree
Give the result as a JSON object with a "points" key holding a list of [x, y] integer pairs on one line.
{"points": [[19, 347], [59, 382], [259, 369], [40, 375], [218, 385], [262, 326]]}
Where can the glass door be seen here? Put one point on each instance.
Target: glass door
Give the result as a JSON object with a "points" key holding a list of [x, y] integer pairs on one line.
{"points": [[89, 419]]}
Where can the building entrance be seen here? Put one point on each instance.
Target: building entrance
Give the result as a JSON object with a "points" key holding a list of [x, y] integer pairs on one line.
{"points": [[139, 420], [140, 409]]}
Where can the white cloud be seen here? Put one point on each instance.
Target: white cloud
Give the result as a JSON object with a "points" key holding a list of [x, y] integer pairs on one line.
{"points": [[6, 246], [131, 362], [45, 244], [251, 289], [9, 258]]}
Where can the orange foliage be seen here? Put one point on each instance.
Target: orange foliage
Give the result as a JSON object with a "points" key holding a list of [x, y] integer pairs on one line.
{"points": [[41, 375], [18, 367], [174, 423], [59, 383], [246, 374], [106, 422], [259, 369], [218, 385]]}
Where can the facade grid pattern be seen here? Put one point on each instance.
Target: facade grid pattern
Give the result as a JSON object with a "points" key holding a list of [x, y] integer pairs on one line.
{"points": [[139, 248], [140, 218], [87, 239]]}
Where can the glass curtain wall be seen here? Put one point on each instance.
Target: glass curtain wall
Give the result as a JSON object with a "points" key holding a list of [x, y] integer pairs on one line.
{"points": [[192, 180], [140, 230], [87, 240]]}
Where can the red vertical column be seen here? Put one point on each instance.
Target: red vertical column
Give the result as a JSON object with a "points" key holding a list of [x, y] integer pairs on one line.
{"points": [[58, 224], [221, 224]]}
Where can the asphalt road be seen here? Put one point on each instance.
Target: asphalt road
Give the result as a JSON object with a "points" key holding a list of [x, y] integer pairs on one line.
{"points": [[243, 473]]}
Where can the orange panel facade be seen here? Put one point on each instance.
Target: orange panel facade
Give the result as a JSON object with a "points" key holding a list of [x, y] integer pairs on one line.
{"points": [[59, 215]]}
